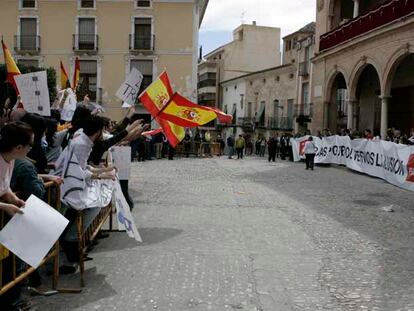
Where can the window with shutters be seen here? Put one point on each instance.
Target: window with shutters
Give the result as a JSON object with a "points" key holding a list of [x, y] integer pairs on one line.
{"points": [[87, 4], [28, 39], [88, 79], [28, 4], [146, 68], [143, 3], [86, 37], [142, 39]]}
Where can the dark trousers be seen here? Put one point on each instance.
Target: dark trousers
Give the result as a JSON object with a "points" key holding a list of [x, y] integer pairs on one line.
{"points": [[125, 192], [310, 160], [272, 156], [239, 153]]}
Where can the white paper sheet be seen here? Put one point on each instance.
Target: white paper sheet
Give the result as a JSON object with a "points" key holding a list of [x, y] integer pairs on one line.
{"points": [[121, 156], [34, 92], [129, 90], [30, 236]]}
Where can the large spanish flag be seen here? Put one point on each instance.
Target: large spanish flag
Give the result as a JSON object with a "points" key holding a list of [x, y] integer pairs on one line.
{"points": [[64, 78], [76, 73], [12, 69], [161, 102]]}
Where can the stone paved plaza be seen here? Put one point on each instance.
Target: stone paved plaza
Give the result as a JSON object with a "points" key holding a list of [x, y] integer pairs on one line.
{"points": [[224, 234]]}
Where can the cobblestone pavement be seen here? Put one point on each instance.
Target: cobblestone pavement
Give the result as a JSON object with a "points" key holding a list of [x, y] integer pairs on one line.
{"points": [[224, 234]]}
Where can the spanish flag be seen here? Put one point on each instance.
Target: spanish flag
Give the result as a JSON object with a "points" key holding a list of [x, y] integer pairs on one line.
{"points": [[64, 78], [12, 69], [154, 99], [76, 74], [161, 102]]}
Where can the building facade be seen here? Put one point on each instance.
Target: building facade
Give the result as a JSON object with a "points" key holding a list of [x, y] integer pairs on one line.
{"points": [[110, 38], [362, 76]]}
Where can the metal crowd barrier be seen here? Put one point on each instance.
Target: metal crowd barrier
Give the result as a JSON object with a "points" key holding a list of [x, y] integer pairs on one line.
{"points": [[9, 279]]}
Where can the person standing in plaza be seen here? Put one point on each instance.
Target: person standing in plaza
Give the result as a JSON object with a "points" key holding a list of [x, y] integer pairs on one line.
{"points": [[230, 146], [310, 151], [271, 147], [187, 144], [263, 147], [240, 145]]}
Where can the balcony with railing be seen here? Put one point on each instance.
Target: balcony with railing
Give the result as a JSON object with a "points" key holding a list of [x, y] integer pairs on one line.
{"points": [[304, 69], [85, 42], [380, 16], [140, 43], [246, 122], [27, 44]]}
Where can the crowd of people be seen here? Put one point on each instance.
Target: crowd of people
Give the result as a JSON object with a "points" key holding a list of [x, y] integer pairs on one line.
{"points": [[35, 149]]}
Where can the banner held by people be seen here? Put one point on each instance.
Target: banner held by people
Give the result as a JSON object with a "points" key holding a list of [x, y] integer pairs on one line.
{"points": [[34, 92], [386, 160]]}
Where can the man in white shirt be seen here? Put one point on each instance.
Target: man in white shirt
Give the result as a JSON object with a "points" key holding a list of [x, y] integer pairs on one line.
{"points": [[310, 151]]}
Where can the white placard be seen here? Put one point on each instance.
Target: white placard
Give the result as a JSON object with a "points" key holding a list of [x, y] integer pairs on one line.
{"points": [[69, 107], [121, 156], [126, 105], [34, 92], [129, 90], [31, 235], [124, 216]]}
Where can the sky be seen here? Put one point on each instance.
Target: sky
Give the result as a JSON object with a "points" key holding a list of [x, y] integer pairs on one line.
{"points": [[222, 16]]}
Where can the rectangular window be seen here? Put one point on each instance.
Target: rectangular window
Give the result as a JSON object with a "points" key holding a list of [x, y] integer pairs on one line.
{"points": [[28, 4], [28, 34], [86, 35], [142, 33], [88, 79], [290, 113], [276, 116], [143, 3], [146, 68], [305, 98], [87, 4], [28, 63]]}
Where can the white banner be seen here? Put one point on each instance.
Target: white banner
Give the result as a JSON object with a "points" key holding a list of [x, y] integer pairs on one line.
{"points": [[34, 92], [386, 160], [129, 90], [124, 216]]}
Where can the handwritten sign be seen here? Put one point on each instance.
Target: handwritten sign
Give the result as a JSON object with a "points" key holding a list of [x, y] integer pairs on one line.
{"points": [[69, 105], [34, 92], [129, 90]]}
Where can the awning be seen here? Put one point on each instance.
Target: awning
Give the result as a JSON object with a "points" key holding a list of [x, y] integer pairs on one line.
{"points": [[260, 111]]}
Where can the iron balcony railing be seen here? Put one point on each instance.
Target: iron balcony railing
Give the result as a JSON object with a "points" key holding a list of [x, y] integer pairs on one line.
{"points": [[141, 43], [30, 43], [380, 16], [279, 123], [304, 69], [85, 42]]}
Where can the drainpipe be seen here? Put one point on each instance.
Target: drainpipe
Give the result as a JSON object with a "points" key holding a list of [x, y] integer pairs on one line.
{"points": [[356, 8]]}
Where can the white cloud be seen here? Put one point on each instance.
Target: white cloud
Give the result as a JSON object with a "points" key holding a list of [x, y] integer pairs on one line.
{"points": [[289, 15]]}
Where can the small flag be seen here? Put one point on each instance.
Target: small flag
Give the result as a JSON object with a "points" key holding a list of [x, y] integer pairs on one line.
{"points": [[64, 78], [12, 69], [76, 74]]}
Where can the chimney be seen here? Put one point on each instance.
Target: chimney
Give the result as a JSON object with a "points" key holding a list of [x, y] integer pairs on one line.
{"points": [[254, 23]]}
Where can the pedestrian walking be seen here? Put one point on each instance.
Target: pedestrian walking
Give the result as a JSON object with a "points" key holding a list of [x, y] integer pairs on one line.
{"points": [[263, 147], [240, 145], [271, 147], [230, 146], [310, 151]]}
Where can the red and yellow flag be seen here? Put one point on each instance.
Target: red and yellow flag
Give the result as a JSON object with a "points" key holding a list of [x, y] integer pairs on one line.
{"points": [[158, 94], [76, 74], [161, 102], [12, 69], [64, 78]]}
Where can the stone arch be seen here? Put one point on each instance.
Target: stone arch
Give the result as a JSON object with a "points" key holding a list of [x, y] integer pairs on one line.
{"points": [[391, 67], [331, 80], [357, 71]]}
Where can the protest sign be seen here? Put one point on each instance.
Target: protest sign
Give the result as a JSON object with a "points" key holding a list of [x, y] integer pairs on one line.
{"points": [[124, 216], [69, 105], [34, 92], [386, 160], [129, 90], [122, 161], [126, 105], [31, 235]]}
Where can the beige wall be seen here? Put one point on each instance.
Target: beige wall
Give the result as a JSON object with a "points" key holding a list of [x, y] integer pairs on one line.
{"points": [[174, 26]]}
